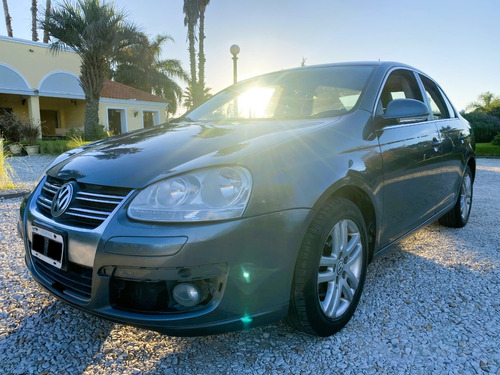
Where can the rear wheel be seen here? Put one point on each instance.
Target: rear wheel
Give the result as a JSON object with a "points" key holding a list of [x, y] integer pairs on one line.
{"points": [[458, 216], [330, 270]]}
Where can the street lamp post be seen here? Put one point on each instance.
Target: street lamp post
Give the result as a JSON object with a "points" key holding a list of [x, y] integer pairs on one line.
{"points": [[235, 49]]}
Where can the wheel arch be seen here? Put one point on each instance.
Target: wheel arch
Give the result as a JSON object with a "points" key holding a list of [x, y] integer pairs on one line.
{"points": [[364, 203], [472, 165]]}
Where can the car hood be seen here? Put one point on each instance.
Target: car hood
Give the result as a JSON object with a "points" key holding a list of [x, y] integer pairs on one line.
{"points": [[136, 159]]}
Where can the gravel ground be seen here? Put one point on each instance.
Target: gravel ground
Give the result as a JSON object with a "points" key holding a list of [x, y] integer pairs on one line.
{"points": [[28, 168], [431, 306]]}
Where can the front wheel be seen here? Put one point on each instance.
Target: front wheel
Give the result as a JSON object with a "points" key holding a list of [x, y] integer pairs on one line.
{"points": [[458, 216], [330, 270]]}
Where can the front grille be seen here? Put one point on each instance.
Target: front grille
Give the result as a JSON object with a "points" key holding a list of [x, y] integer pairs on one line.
{"points": [[89, 208], [75, 282]]}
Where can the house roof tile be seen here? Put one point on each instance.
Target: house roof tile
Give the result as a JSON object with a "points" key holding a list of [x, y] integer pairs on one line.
{"points": [[115, 90]]}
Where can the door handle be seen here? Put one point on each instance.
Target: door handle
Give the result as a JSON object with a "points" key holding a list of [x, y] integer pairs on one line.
{"points": [[436, 144]]}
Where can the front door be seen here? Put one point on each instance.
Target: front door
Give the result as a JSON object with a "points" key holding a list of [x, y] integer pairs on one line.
{"points": [[412, 179], [411, 154], [50, 121]]}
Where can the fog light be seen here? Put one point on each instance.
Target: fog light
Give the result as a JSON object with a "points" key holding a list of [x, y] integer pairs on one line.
{"points": [[187, 295]]}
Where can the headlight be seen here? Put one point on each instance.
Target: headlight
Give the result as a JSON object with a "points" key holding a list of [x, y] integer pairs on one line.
{"points": [[210, 194]]}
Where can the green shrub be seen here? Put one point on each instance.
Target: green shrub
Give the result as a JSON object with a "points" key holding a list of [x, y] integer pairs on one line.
{"points": [[59, 146], [496, 140], [54, 147], [76, 141], [485, 127], [98, 132], [74, 132], [10, 126]]}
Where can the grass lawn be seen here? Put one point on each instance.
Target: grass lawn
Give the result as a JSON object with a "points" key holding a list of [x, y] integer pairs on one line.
{"points": [[487, 149]]}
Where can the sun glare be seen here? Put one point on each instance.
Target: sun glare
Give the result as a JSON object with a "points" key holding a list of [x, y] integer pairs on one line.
{"points": [[254, 103]]}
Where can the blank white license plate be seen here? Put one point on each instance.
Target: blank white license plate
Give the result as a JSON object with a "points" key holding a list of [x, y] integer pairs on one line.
{"points": [[47, 246]]}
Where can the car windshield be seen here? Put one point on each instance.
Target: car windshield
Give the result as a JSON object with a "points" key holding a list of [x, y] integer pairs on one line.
{"points": [[296, 94]]}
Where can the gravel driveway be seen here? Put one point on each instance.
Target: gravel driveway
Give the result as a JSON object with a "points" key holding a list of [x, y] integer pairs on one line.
{"points": [[430, 306]]}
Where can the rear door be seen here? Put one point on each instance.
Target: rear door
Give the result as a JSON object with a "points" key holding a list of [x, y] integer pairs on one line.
{"points": [[453, 135], [411, 156]]}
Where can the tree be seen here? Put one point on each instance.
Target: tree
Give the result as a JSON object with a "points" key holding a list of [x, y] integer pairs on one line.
{"points": [[34, 9], [191, 16], [485, 102], [96, 32], [496, 140], [188, 97], [8, 18], [140, 66], [194, 11], [47, 16], [201, 51]]}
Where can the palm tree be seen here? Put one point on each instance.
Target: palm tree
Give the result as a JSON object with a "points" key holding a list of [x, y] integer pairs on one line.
{"points": [[8, 18], [194, 11], [96, 32], [484, 102], [201, 51], [140, 66], [47, 14], [191, 15], [34, 32], [188, 97]]}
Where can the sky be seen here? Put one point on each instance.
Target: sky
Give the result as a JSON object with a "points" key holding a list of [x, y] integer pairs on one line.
{"points": [[456, 42]]}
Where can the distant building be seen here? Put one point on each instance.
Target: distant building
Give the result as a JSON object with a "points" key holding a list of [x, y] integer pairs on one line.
{"points": [[43, 86]]}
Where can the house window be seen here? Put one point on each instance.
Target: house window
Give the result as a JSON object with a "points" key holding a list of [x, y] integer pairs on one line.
{"points": [[150, 118]]}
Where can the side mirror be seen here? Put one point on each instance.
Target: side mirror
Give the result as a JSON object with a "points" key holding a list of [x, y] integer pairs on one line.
{"points": [[401, 111]]}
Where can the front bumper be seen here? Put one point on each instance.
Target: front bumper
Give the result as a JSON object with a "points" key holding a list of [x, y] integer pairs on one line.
{"points": [[246, 265]]}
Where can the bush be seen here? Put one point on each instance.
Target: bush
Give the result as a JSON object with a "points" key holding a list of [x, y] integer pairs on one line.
{"points": [[496, 140], [485, 127], [10, 126], [98, 132], [54, 147], [74, 132], [60, 146], [6, 173], [30, 131]]}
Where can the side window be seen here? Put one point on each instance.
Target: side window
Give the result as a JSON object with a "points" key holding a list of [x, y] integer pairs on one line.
{"points": [[401, 84], [451, 111], [438, 105]]}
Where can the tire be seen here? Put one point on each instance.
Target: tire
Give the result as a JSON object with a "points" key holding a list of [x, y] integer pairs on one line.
{"points": [[458, 216], [330, 270]]}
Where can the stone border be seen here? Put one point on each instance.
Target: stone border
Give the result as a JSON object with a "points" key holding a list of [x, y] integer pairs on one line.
{"points": [[13, 193]]}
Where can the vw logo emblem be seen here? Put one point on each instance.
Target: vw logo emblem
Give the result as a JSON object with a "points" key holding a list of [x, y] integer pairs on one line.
{"points": [[62, 199]]}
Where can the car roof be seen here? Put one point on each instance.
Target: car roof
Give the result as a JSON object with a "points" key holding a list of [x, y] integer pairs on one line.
{"points": [[383, 65]]}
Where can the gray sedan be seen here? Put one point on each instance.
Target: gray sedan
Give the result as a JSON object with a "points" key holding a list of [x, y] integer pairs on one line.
{"points": [[266, 202]]}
